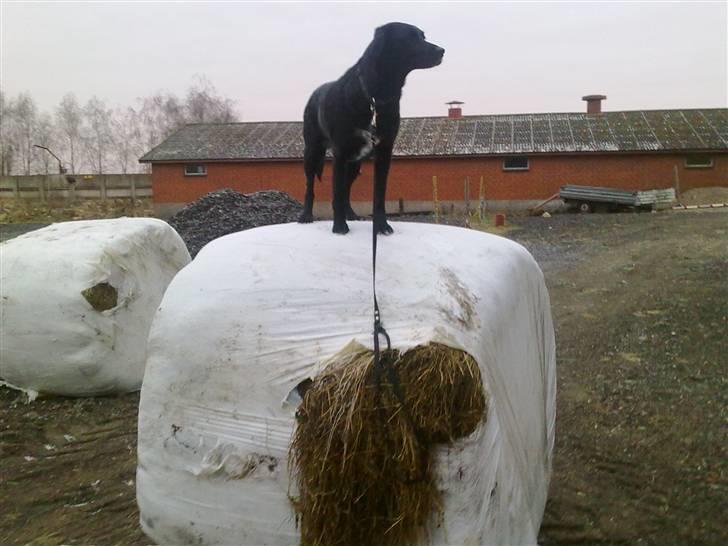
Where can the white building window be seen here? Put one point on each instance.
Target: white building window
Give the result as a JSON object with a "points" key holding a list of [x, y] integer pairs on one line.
{"points": [[698, 162], [517, 163]]}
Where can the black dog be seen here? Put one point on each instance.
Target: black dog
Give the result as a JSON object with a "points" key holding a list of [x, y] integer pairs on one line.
{"points": [[339, 116]]}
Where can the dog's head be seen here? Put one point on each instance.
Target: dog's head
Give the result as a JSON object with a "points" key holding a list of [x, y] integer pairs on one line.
{"points": [[402, 47]]}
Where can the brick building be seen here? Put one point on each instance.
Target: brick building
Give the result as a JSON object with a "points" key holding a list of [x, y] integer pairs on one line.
{"points": [[522, 158]]}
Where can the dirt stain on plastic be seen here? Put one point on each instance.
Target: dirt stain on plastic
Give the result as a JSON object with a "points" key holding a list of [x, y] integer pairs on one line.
{"points": [[465, 301]]}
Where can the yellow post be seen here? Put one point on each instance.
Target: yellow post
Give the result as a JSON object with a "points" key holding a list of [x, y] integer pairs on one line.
{"points": [[435, 201], [482, 199]]}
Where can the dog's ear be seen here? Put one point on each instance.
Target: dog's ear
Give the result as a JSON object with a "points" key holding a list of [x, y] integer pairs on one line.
{"points": [[374, 51]]}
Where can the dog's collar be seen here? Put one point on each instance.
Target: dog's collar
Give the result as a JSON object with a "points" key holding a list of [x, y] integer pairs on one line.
{"points": [[372, 101]]}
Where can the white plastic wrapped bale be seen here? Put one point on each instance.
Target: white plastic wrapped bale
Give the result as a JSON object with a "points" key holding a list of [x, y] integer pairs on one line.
{"points": [[78, 300], [257, 312]]}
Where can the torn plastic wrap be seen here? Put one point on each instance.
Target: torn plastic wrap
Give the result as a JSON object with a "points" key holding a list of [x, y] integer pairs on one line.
{"points": [[258, 312], [78, 300]]}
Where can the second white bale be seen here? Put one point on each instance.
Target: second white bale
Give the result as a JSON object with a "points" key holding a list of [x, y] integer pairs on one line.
{"points": [[78, 300]]}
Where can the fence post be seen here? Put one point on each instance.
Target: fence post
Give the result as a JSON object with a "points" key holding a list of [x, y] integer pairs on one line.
{"points": [[466, 191], [435, 201], [42, 187], [16, 188], [133, 191], [677, 184], [102, 189]]}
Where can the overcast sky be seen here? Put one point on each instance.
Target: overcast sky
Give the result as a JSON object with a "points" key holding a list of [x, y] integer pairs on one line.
{"points": [[502, 57]]}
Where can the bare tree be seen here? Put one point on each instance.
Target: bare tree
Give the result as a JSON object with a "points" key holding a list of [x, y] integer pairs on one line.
{"points": [[45, 135], [204, 105], [161, 115], [128, 139], [7, 148], [164, 113], [97, 133], [69, 120], [25, 120]]}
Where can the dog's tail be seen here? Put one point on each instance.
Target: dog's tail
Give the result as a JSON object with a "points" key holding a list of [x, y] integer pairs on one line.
{"points": [[319, 167]]}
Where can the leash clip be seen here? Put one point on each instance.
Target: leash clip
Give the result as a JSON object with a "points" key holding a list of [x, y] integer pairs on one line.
{"points": [[379, 330]]}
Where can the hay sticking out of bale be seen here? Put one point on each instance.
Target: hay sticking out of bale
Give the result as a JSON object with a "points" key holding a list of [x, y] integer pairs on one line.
{"points": [[101, 296], [362, 462]]}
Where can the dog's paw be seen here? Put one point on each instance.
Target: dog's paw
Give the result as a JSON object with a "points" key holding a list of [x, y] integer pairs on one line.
{"points": [[305, 218], [341, 228], [383, 227]]}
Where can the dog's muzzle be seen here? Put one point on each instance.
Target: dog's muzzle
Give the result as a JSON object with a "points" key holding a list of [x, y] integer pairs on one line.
{"points": [[432, 57], [439, 54]]}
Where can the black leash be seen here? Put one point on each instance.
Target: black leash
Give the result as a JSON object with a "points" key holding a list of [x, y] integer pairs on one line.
{"points": [[379, 364], [378, 328]]}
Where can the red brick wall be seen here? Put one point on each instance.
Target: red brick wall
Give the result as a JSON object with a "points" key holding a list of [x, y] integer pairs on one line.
{"points": [[411, 179]]}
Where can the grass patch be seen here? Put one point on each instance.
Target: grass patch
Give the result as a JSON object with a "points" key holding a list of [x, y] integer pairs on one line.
{"points": [[20, 211]]}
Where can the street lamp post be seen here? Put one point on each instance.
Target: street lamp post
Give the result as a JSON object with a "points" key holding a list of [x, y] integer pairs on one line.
{"points": [[61, 169]]}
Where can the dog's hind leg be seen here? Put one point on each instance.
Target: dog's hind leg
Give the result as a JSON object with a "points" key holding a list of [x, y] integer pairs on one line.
{"points": [[313, 166], [339, 203], [353, 168]]}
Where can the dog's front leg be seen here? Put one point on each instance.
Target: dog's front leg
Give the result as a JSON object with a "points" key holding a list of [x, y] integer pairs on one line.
{"points": [[382, 159], [339, 202]]}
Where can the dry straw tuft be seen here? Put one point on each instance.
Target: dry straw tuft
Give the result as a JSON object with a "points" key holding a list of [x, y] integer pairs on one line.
{"points": [[362, 462]]}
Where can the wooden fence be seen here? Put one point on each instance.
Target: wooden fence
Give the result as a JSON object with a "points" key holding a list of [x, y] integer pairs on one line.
{"points": [[56, 187]]}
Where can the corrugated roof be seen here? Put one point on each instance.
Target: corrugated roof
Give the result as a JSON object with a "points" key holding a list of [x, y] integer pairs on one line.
{"points": [[634, 131]]}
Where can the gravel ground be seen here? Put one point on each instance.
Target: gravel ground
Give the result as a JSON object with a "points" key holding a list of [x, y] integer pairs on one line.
{"points": [[564, 239]]}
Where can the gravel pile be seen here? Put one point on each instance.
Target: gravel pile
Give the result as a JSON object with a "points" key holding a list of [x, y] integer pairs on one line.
{"points": [[226, 211]]}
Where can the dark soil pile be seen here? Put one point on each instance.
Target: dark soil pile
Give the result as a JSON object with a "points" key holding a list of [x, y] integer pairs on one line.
{"points": [[226, 211]]}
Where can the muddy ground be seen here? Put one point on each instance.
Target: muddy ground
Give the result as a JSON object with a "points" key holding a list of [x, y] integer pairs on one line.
{"points": [[641, 315], [640, 306]]}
